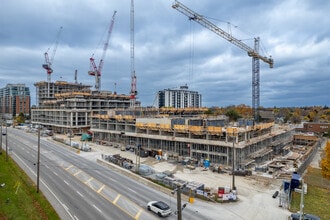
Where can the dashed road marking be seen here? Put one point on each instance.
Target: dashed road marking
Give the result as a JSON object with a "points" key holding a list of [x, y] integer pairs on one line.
{"points": [[101, 188], [77, 173], [80, 194], [69, 167], [116, 199], [89, 180], [97, 208]]}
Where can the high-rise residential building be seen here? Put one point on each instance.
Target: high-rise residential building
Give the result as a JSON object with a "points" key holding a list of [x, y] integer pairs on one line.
{"points": [[179, 98], [14, 99]]}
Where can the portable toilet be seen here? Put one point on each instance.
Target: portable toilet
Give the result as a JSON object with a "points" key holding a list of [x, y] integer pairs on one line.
{"points": [[206, 163]]}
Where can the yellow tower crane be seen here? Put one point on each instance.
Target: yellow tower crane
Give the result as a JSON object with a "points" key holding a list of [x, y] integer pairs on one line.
{"points": [[254, 53]]}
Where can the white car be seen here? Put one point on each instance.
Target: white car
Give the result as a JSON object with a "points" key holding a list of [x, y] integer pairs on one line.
{"points": [[160, 208]]}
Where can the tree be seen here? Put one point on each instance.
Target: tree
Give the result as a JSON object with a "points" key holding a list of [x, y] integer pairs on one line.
{"points": [[244, 110], [296, 116], [232, 114], [208, 112], [325, 162], [20, 118]]}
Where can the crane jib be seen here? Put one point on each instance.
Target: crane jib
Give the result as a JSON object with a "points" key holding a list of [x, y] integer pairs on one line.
{"points": [[256, 57], [209, 25]]}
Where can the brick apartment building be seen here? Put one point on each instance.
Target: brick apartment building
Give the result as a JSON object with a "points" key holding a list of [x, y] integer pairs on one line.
{"points": [[319, 128]]}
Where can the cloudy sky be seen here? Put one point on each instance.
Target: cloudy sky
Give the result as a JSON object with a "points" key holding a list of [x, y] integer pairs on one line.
{"points": [[170, 50]]}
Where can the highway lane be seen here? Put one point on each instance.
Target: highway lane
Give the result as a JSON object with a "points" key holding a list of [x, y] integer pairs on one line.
{"points": [[74, 199], [83, 189]]}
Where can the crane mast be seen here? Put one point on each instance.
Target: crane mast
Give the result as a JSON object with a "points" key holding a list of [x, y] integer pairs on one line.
{"points": [[254, 53], [49, 61], [133, 91], [97, 70]]}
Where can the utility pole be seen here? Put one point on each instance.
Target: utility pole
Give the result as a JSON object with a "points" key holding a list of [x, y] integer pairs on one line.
{"points": [[70, 132], [1, 137], [138, 148], [301, 191], [233, 132], [179, 208], [6, 143], [178, 202], [38, 162], [233, 173]]}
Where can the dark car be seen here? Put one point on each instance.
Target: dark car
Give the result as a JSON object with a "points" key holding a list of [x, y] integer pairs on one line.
{"points": [[160, 208], [296, 216]]}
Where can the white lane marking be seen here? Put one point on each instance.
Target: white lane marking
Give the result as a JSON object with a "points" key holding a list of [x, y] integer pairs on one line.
{"points": [[65, 207], [80, 194], [66, 182], [132, 190], [97, 208], [33, 172], [115, 181]]}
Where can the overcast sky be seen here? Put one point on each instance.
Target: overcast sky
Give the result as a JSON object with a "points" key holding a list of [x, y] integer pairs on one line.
{"points": [[170, 50]]}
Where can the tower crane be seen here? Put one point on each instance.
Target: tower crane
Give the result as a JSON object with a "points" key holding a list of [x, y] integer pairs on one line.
{"points": [[254, 53], [133, 91], [97, 70], [48, 62]]}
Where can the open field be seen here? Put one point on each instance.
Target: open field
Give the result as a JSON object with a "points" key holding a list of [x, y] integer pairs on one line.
{"points": [[18, 194]]}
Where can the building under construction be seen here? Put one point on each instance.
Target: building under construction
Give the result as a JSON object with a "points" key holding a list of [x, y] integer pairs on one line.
{"points": [[189, 133], [66, 107], [171, 132]]}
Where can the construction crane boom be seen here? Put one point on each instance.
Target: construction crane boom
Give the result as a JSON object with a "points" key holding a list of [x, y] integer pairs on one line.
{"points": [[254, 53], [97, 70], [48, 62]]}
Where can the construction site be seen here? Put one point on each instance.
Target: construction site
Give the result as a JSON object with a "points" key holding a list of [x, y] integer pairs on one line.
{"points": [[181, 134], [74, 109]]}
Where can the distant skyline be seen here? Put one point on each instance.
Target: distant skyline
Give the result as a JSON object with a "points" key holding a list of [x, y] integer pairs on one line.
{"points": [[171, 51]]}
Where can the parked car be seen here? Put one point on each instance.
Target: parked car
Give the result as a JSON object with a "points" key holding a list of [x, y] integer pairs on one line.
{"points": [[160, 208], [296, 216]]}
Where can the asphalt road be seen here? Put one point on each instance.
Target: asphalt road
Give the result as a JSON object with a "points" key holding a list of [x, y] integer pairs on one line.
{"points": [[79, 188]]}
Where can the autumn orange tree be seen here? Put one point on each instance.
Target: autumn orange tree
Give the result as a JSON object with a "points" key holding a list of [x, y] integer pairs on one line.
{"points": [[325, 162]]}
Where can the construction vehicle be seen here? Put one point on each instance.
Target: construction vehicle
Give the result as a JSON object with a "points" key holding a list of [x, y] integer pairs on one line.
{"points": [[254, 53], [97, 70], [217, 168]]}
